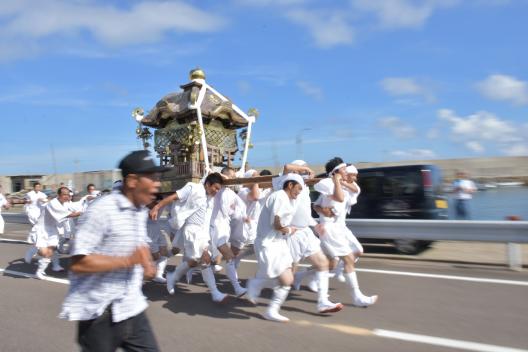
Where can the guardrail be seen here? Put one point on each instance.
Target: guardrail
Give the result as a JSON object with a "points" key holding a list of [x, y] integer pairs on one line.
{"points": [[510, 232]]}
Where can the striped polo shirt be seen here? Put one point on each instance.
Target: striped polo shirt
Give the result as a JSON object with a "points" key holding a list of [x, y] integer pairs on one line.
{"points": [[111, 226]]}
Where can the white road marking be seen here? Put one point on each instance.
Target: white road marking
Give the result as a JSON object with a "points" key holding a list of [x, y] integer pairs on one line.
{"points": [[440, 341], [447, 277], [32, 276], [14, 241]]}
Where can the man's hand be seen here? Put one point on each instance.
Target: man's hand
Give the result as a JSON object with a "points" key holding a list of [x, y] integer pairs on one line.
{"points": [[153, 213], [141, 256]]}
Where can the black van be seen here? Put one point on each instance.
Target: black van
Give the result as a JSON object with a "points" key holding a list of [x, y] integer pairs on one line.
{"points": [[400, 192]]}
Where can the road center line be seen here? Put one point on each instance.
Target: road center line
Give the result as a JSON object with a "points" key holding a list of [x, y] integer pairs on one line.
{"points": [[440, 341]]}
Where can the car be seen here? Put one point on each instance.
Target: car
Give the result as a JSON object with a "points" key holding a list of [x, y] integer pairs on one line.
{"points": [[400, 192]]}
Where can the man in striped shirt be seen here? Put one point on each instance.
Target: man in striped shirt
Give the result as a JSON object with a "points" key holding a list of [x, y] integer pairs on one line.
{"points": [[110, 257]]}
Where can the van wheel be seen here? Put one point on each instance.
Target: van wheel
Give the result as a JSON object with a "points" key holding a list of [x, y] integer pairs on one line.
{"points": [[404, 246]]}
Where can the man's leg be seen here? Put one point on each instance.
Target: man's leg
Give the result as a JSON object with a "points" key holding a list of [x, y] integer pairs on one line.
{"points": [[141, 338], [97, 335], [358, 298], [55, 262], [280, 293], [43, 262], [231, 271]]}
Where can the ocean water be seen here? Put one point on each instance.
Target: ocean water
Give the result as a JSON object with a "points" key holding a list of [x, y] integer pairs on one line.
{"points": [[496, 204]]}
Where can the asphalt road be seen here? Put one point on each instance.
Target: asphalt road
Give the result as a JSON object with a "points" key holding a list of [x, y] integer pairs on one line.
{"points": [[423, 306]]}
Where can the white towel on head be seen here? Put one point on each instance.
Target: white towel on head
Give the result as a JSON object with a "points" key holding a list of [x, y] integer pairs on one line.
{"points": [[351, 169], [299, 163], [250, 173]]}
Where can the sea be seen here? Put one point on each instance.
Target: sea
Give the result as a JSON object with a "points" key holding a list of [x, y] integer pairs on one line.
{"points": [[496, 204]]}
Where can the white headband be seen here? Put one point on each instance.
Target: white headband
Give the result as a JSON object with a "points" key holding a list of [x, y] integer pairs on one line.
{"points": [[351, 169], [337, 168], [249, 173], [291, 177], [299, 163]]}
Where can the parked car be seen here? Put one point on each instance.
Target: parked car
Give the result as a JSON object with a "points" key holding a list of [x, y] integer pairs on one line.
{"points": [[400, 192]]}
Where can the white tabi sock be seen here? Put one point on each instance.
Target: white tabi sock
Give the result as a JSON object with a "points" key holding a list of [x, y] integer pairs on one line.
{"points": [[338, 270], [30, 253], [280, 293], [42, 265], [209, 279], [55, 263], [300, 276], [322, 283], [160, 266], [180, 270], [232, 274]]}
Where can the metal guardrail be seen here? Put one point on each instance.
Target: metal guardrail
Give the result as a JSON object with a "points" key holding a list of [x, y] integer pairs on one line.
{"points": [[441, 230], [510, 232]]}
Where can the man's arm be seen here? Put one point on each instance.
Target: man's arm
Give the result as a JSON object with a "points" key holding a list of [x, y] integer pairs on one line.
{"points": [[98, 263], [288, 168], [339, 195], [153, 213]]}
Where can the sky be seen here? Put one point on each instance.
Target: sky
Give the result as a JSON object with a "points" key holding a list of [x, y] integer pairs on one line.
{"points": [[367, 80]]}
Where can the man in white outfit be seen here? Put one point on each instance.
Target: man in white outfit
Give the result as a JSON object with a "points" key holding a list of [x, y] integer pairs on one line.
{"points": [[35, 202], [227, 240], [50, 226], [3, 204], [274, 260], [304, 244], [333, 232], [190, 216]]}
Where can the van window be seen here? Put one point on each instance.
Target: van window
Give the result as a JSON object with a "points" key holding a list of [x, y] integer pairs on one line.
{"points": [[402, 184]]}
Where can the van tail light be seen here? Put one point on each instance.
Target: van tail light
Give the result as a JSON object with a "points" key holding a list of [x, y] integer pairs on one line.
{"points": [[427, 179]]}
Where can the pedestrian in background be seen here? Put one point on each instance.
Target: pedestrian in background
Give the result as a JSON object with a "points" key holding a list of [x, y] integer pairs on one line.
{"points": [[3, 204], [464, 189]]}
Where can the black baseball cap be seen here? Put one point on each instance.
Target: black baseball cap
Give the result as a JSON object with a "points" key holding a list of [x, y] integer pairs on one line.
{"points": [[139, 162]]}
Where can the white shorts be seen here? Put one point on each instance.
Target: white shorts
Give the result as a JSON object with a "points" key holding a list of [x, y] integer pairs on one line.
{"points": [[43, 240], [195, 241], [220, 235], [336, 240], [354, 243], [303, 243], [238, 236], [2, 223], [273, 257]]}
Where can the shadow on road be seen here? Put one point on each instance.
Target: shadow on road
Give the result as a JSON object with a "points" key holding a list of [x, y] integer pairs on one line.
{"points": [[200, 303]]}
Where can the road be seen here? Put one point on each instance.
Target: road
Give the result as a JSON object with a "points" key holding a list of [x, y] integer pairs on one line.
{"points": [[423, 306]]}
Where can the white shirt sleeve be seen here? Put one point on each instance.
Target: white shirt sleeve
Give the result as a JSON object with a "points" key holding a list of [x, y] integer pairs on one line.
{"points": [[184, 193], [282, 208], [58, 211]]}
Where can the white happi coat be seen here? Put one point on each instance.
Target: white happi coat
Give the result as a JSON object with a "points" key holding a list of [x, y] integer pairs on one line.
{"points": [[337, 240], [271, 246], [3, 201], [33, 209], [228, 207], [53, 222], [253, 210]]}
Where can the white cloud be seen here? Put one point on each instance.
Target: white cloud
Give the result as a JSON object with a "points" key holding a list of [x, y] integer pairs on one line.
{"points": [[310, 90], [414, 154], [405, 86], [328, 29], [484, 128], [401, 13], [474, 146], [144, 22], [433, 133], [505, 88], [399, 128]]}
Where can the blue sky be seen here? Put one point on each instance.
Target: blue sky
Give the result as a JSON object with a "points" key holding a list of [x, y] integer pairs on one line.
{"points": [[368, 80]]}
